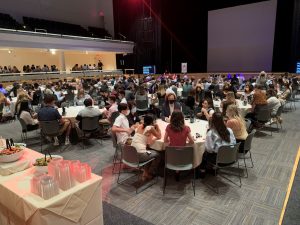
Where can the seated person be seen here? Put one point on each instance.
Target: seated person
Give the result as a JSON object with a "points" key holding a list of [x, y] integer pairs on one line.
{"points": [[88, 111], [217, 136], [259, 103], [248, 93], [286, 94], [190, 101], [25, 114], [169, 107], [230, 99], [113, 106], [140, 140], [237, 124], [50, 113], [80, 97], [122, 97], [121, 125], [177, 133], [206, 111], [273, 102]]}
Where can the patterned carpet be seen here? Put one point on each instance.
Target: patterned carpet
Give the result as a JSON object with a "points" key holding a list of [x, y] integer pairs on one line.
{"points": [[259, 201]]}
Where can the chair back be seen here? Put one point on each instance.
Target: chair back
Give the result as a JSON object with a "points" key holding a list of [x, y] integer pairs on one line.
{"points": [[1, 108], [90, 124], [114, 139], [50, 128], [23, 124], [248, 141], [263, 114], [179, 158], [130, 156], [113, 117], [248, 124], [227, 154]]}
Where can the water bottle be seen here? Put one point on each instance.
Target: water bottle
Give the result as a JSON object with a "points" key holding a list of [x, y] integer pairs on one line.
{"points": [[192, 117], [63, 111]]}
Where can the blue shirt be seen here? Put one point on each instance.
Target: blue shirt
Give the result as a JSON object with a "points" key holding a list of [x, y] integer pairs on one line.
{"points": [[48, 113]]}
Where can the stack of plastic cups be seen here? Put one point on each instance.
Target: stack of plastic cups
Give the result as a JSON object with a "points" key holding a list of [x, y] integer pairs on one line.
{"points": [[65, 179], [81, 172], [53, 169], [48, 187], [45, 186]]}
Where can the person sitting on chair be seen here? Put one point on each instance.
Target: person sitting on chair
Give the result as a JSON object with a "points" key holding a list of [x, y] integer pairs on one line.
{"points": [[50, 113], [140, 140], [121, 124], [217, 136], [169, 107], [88, 111], [25, 114]]}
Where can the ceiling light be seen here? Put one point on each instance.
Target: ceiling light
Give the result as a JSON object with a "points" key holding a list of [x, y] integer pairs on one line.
{"points": [[53, 51], [9, 51]]}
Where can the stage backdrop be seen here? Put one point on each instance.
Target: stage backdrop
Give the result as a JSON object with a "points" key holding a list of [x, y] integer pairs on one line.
{"points": [[241, 38]]}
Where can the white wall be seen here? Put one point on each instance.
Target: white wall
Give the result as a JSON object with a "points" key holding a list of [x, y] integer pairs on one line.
{"points": [[82, 12], [241, 38], [25, 57]]}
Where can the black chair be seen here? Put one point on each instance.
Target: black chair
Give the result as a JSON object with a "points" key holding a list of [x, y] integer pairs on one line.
{"points": [[179, 159], [130, 158], [263, 117], [50, 129], [118, 149], [89, 125], [24, 129], [247, 151], [227, 156]]}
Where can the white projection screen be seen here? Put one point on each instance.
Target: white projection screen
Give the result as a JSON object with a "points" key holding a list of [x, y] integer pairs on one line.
{"points": [[241, 38]]}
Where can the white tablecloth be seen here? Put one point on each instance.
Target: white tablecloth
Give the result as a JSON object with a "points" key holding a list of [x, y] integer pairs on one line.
{"points": [[243, 109], [81, 205], [23, 163], [72, 111], [199, 126]]}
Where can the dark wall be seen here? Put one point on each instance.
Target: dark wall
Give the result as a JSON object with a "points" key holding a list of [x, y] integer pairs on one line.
{"points": [[178, 33]]}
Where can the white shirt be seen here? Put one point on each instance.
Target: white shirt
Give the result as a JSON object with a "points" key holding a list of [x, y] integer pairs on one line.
{"points": [[122, 122], [124, 100], [113, 108], [28, 118]]}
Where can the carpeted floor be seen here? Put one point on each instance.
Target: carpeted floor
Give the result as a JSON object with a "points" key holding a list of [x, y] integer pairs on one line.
{"points": [[113, 215], [259, 201]]}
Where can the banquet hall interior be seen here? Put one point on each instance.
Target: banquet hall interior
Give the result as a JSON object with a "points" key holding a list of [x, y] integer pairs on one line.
{"points": [[146, 112]]}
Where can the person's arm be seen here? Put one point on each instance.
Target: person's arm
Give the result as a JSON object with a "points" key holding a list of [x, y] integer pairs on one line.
{"points": [[166, 138], [117, 129], [190, 138], [156, 131]]}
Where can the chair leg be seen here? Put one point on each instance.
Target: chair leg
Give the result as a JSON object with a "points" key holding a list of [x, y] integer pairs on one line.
{"points": [[251, 159], [193, 183], [41, 143], [119, 173], [115, 159], [165, 181], [246, 167], [240, 175]]}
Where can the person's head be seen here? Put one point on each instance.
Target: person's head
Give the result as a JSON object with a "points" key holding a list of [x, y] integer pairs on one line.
{"points": [[207, 103], [171, 98], [258, 87], [24, 106], [49, 99], [287, 85], [248, 88], [112, 99], [177, 121], [217, 123], [271, 93], [36, 85], [230, 96], [198, 89], [148, 120], [121, 94], [123, 108], [88, 102], [232, 111]]}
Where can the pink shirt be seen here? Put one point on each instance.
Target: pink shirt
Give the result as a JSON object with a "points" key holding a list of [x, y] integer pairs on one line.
{"points": [[178, 138]]}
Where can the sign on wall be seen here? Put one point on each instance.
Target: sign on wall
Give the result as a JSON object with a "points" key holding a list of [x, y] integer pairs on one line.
{"points": [[183, 67]]}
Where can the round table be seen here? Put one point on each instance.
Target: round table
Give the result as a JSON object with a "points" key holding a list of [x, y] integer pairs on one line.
{"points": [[243, 109], [72, 111], [199, 126]]}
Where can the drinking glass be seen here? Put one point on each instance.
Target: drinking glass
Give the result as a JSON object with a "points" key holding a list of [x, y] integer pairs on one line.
{"points": [[48, 187], [65, 178]]}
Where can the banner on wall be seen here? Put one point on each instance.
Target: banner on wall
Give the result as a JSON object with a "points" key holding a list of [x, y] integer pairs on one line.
{"points": [[183, 67]]}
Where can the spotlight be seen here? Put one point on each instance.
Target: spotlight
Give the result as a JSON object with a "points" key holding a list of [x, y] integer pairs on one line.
{"points": [[53, 51], [9, 51]]}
